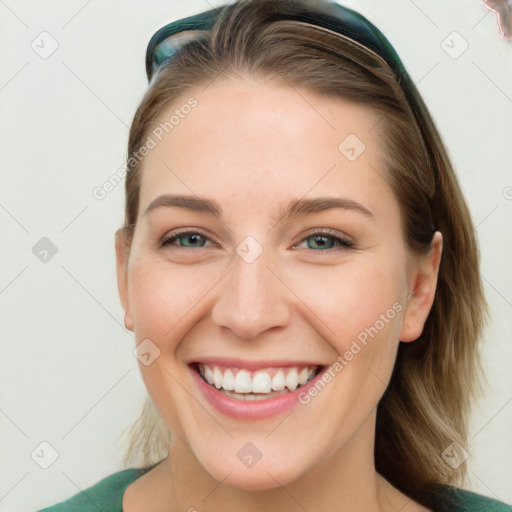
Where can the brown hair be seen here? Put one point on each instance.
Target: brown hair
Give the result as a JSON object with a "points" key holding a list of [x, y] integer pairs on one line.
{"points": [[427, 403]]}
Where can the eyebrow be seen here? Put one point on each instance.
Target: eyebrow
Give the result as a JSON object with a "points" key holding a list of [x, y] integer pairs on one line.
{"points": [[194, 203], [303, 206], [292, 210]]}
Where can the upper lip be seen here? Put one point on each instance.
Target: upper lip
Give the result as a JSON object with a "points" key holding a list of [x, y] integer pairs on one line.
{"points": [[252, 365]]}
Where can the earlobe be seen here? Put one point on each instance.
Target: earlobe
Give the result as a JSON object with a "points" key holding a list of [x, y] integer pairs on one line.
{"points": [[422, 292], [122, 252]]}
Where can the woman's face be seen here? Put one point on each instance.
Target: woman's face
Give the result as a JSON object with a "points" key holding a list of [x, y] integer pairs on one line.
{"points": [[294, 264]]}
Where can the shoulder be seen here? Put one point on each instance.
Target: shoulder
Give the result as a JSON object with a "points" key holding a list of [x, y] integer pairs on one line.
{"points": [[441, 498], [104, 496]]}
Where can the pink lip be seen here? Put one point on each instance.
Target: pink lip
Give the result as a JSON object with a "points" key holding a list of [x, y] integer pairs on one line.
{"points": [[254, 409]]}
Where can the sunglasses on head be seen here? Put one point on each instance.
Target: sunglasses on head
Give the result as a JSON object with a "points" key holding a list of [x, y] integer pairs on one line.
{"points": [[330, 16]]}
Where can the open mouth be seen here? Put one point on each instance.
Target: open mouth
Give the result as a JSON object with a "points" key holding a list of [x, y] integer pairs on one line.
{"points": [[262, 384]]}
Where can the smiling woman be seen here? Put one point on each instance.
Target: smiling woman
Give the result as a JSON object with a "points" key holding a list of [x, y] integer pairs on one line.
{"points": [[300, 271]]}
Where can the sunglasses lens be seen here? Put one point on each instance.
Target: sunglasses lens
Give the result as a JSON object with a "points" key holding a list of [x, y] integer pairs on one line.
{"points": [[165, 50]]}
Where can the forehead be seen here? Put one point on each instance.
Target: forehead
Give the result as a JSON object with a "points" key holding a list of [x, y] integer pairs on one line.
{"points": [[249, 140]]}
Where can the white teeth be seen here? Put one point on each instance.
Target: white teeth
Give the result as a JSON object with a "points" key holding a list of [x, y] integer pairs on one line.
{"points": [[228, 382], [303, 376], [261, 382], [292, 379], [259, 396], [208, 374], [243, 382], [278, 381], [217, 378], [258, 383]]}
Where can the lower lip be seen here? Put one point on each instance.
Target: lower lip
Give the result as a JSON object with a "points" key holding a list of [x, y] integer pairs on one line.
{"points": [[250, 409]]}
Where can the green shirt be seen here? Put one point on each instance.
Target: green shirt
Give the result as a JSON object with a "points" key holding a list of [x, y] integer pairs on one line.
{"points": [[107, 496]]}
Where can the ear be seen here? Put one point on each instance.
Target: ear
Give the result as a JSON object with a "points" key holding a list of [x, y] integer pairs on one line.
{"points": [[423, 283], [122, 253]]}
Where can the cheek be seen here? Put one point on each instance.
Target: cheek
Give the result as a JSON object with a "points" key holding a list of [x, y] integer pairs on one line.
{"points": [[362, 306], [161, 296], [354, 300]]}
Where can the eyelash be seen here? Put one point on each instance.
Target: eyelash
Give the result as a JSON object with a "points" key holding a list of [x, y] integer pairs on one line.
{"points": [[344, 243]]}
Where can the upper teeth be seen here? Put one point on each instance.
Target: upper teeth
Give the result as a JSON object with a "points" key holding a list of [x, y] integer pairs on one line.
{"points": [[261, 381]]}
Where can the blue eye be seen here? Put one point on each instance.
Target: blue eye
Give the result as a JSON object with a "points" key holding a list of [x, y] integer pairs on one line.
{"points": [[186, 239], [324, 240]]}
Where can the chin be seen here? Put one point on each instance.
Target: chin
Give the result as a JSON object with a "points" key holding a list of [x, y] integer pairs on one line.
{"points": [[263, 475], [260, 480]]}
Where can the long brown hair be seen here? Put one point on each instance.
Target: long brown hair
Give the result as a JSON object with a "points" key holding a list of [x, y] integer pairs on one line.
{"points": [[427, 403]]}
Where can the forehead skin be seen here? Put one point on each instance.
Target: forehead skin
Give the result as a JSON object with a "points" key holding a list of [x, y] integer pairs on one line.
{"points": [[253, 146]]}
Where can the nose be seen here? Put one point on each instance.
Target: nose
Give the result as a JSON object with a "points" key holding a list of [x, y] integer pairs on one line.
{"points": [[252, 299]]}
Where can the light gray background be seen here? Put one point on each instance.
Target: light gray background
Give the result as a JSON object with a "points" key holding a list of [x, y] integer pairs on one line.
{"points": [[68, 376]]}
